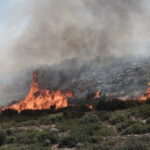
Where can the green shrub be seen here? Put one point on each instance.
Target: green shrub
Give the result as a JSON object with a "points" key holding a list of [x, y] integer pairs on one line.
{"points": [[98, 146], [27, 137], [92, 118], [51, 119], [9, 132], [117, 118], [77, 111], [47, 134], [87, 129], [104, 115], [11, 139], [136, 143], [148, 121], [68, 142], [110, 104], [137, 128], [3, 136], [33, 147], [123, 125], [27, 123]]}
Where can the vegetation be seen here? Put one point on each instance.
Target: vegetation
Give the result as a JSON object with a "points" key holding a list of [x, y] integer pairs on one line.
{"points": [[123, 127], [136, 143]]}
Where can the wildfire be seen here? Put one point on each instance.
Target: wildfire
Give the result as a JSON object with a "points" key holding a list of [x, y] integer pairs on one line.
{"points": [[97, 94], [146, 96], [38, 99], [90, 106]]}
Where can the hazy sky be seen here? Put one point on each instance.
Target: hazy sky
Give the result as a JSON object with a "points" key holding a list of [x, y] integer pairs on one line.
{"points": [[10, 28]]}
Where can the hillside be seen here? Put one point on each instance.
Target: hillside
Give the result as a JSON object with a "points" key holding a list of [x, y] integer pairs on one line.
{"points": [[77, 128], [120, 78]]}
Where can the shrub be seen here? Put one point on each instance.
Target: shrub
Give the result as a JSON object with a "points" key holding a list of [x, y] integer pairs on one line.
{"points": [[10, 139], [104, 115], [118, 118], [148, 121], [123, 125], [68, 142], [51, 119], [27, 123], [3, 136], [136, 143], [33, 147], [137, 128], [28, 137], [98, 146], [9, 113], [75, 111], [92, 118], [9, 132], [87, 129], [115, 104], [47, 134]]}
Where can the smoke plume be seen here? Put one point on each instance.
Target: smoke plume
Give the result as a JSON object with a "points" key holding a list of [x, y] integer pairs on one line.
{"points": [[53, 30]]}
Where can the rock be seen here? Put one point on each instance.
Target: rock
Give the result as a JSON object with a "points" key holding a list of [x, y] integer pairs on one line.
{"points": [[47, 143], [144, 121], [79, 145]]}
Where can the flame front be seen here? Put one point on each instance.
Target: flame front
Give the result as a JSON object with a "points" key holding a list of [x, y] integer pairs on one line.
{"points": [[146, 96], [97, 94], [41, 99]]}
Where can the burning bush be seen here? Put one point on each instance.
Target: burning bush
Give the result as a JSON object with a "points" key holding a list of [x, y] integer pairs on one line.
{"points": [[41, 99]]}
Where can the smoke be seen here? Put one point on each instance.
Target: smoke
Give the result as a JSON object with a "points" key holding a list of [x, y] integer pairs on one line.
{"points": [[51, 31]]}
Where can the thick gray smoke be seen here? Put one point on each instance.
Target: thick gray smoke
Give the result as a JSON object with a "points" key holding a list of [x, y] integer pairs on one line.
{"points": [[52, 31]]}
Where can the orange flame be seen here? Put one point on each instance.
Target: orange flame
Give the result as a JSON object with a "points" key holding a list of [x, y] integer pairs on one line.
{"points": [[90, 106], [41, 99], [146, 96], [97, 94]]}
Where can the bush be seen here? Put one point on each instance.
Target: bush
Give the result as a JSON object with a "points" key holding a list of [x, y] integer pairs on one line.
{"points": [[115, 104], [3, 136], [137, 128], [148, 121], [68, 142], [9, 132], [136, 143], [28, 137], [123, 125], [51, 119], [27, 123], [47, 134], [33, 147], [118, 118], [98, 146], [92, 118], [75, 111], [87, 129], [9, 113], [11, 139], [104, 115]]}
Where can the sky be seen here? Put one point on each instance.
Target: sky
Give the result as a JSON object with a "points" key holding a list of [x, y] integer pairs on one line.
{"points": [[9, 30]]}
